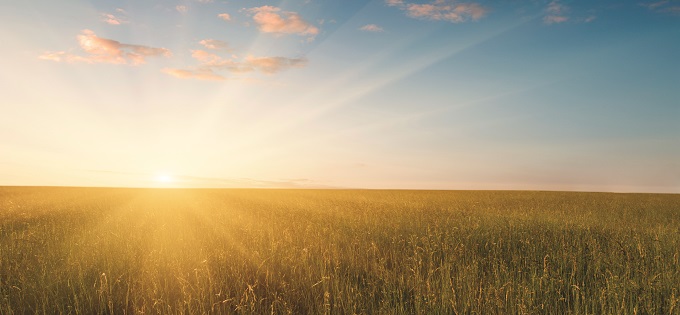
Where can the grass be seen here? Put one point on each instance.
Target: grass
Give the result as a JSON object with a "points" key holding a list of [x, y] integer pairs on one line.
{"points": [[134, 251]]}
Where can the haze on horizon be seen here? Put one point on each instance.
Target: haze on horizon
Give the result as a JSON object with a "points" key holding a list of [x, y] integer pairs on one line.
{"points": [[441, 94]]}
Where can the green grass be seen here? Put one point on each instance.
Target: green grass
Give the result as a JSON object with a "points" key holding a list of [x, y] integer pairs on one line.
{"points": [[133, 251]]}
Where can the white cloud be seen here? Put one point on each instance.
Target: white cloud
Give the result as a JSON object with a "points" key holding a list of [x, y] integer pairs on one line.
{"points": [[112, 19], [371, 28], [182, 8], [668, 7], [655, 5]]}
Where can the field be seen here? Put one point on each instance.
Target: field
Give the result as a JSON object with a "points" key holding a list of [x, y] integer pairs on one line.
{"points": [[134, 251]]}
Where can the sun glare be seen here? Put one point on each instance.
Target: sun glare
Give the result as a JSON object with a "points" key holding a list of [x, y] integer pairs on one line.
{"points": [[163, 178]]}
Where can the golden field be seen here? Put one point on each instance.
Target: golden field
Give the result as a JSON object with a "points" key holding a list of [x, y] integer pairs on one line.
{"points": [[223, 251]]}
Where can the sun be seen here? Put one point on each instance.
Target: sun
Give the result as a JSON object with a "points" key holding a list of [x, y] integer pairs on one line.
{"points": [[164, 178]]}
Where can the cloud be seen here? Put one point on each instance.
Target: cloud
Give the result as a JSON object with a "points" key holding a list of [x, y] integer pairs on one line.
{"points": [[556, 13], [590, 19], [204, 56], [663, 7], [112, 19], [274, 64], [225, 16], [215, 44], [371, 28], [672, 10], [204, 1], [394, 3], [655, 5], [102, 50], [554, 19], [441, 10], [62, 56], [210, 64], [182, 8], [271, 20], [200, 74]]}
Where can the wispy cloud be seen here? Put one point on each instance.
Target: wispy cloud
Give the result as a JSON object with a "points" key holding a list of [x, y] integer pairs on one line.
{"points": [[103, 50], [224, 16], [272, 20], [655, 5], [113, 19], [274, 64], [675, 10], [205, 57], [589, 19], [668, 7], [200, 74], [182, 9], [215, 44], [211, 65], [208, 70], [371, 28], [555, 13], [441, 10]]}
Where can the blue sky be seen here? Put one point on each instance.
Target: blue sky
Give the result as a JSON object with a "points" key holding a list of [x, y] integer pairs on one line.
{"points": [[443, 94]]}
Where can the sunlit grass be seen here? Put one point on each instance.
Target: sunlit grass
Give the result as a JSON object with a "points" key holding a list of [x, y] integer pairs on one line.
{"points": [[88, 251]]}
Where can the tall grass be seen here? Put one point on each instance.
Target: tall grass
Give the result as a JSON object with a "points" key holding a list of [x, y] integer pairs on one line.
{"points": [[133, 251]]}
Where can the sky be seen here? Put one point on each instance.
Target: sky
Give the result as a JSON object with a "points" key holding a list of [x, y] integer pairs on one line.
{"points": [[396, 94]]}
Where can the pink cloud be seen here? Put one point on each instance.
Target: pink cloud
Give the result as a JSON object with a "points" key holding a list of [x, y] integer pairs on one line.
{"points": [[200, 74], [274, 64], [210, 64], [102, 50], [112, 19], [371, 28], [205, 57], [554, 19], [442, 10], [556, 13], [224, 16], [62, 56], [394, 3], [555, 7], [422, 10], [271, 20], [182, 8], [215, 44]]}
